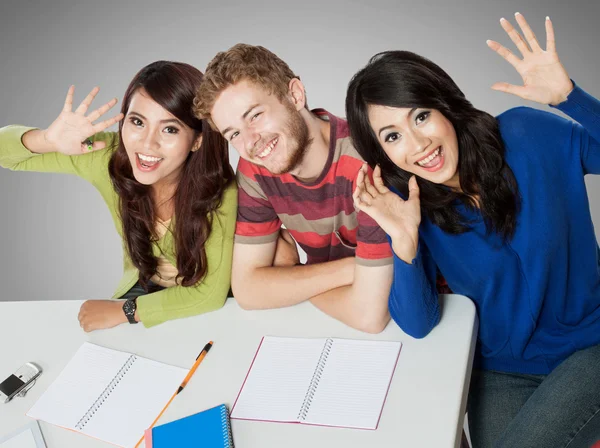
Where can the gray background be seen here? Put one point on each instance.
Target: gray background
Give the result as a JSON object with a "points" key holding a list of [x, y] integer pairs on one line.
{"points": [[57, 240]]}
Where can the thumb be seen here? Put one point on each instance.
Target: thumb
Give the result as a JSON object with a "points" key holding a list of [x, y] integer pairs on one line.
{"points": [[413, 188], [95, 146], [505, 87]]}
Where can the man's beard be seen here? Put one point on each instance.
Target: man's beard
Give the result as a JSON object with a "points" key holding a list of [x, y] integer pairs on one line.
{"points": [[298, 133]]}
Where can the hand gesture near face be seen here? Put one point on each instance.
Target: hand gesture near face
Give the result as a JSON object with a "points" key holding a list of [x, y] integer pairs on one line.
{"points": [[545, 80], [398, 218], [71, 128]]}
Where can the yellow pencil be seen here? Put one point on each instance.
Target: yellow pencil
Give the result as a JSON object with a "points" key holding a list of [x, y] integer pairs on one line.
{"points": [[187, 378]]}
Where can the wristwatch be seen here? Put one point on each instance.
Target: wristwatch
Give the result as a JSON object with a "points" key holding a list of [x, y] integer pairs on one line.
{"points": [[129, 307]]}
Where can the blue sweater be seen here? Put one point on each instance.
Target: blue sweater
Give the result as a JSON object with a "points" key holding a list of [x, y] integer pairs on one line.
{"points": [[538, 295]]}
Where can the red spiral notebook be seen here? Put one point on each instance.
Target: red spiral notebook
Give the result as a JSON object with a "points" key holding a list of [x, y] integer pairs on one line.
{"points": [[329, 382]]}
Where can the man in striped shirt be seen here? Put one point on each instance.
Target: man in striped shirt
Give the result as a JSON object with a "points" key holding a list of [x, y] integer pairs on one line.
{"points": [[297, 168]]}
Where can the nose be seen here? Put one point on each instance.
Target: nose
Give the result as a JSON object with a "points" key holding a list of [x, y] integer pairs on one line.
{"points": [[251, 138], [151, 141], [420, 141]]}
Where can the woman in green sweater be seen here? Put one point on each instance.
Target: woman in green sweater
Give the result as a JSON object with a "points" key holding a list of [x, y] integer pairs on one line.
{"points": [[166, 179]]}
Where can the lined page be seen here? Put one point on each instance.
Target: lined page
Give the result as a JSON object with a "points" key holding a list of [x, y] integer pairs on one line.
{"points": [[135, 402], [354, 383], [78, 386], [279, 379]]}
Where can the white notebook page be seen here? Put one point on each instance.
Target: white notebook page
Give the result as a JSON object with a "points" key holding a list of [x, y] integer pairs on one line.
{"points": [[278, 380], [354, 383], [82, 381], [135, 402], [132, 405]]}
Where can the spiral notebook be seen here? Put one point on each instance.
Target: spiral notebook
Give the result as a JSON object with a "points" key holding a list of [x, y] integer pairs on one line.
{"points": [[330, 382], [108, 394], [208, 429]]}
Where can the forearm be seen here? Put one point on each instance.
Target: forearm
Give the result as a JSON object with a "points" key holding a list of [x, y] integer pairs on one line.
{"points": [[413, 300], [342, 303], [363, 304], [277, 287]]}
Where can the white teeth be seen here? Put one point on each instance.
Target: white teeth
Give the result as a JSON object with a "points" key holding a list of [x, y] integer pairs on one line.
{"points": [[268, 149], [146, 158], [430, 158]]}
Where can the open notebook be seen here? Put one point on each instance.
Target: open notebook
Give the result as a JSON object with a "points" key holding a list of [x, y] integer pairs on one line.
{"points": [[331, 382], [107, 394]]}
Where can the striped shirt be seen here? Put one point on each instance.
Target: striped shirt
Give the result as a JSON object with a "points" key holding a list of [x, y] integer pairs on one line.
{"points": [[320, 215]]}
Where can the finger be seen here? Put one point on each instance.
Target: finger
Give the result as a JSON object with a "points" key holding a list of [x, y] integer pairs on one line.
{"points": [[527, 32], [514, 36], [504, 52], [505, 87], [369, 187], [378, 181], [83, 107], [366, 198], [69, 100], [102, 110], [550, 42], [413, 188], [99, 127]]}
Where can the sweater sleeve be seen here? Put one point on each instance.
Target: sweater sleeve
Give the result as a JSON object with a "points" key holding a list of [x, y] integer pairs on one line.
{"points": [[585, 138], [210, 293], [413, 301], [16, 157]]}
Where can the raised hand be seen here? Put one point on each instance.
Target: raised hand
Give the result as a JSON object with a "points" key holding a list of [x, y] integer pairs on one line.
{"points": [[70, 129], [545, 80], [398, 218]]}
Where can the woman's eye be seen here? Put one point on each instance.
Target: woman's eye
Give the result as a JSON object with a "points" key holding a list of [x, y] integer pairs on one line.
{"points": [[136, 121], [392, 137], [422, 117], [171, 130]]}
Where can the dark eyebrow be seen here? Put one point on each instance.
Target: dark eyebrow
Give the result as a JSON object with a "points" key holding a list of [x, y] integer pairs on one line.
{"points": [[385, 128], [168, 120], [244, 115]]}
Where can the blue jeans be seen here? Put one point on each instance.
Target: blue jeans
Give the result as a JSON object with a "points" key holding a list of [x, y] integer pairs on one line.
{"points": [[562, 409]]}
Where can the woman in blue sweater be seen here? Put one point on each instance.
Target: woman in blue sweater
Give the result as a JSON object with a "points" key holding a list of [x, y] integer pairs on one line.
{"points": [[500, 207]]}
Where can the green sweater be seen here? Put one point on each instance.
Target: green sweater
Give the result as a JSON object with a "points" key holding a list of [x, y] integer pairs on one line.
{"points": [[170, 303]]}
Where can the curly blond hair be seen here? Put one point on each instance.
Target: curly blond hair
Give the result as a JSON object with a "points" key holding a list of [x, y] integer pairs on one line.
{"points": [[241, 62]]}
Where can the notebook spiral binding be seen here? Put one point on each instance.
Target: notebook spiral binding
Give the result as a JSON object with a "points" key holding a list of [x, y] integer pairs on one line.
{"points": [[106, 393], [314, 382], [227, 436]]}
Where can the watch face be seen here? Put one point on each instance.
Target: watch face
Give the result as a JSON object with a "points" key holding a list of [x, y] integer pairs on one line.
{"points": [[129, 307]]}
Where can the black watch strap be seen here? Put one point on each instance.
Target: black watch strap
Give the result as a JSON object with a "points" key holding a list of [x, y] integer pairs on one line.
{"points": [[129, 308]]}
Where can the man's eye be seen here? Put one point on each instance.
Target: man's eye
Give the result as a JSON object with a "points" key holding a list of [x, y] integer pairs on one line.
{"points": [[422, 117], [255, 116], [392, 137], [234, 135]]}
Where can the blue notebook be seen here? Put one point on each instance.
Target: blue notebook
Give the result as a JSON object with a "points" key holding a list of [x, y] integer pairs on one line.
{"points": [[208, 429]]}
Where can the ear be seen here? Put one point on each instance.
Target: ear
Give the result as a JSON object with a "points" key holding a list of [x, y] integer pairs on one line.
{"points": [[197, 143], [297, 94]]}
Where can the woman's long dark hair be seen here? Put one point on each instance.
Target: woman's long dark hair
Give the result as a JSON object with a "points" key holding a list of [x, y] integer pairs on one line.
{"points": [[204, 178], [404, 79]]}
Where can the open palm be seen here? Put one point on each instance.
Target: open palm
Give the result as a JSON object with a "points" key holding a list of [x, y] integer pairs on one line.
{"points": [[545, 80], [71, 128], [398, 218]]}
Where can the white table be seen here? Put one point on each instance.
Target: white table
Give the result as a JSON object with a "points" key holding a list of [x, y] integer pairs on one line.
{"points": [[424, 408]]}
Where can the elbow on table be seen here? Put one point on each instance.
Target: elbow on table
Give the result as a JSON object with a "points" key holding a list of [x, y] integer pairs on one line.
{"points": [[415, 329], [245, 300], [373, 325]]}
